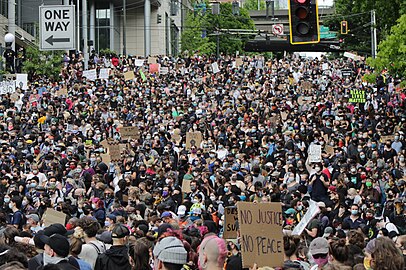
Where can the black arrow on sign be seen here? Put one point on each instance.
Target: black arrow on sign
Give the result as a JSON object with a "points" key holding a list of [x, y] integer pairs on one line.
{"points": [[51, 40]]}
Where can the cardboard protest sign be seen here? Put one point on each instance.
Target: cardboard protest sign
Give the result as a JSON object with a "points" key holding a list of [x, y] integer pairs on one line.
{"points": [[307, 85], [106, 158], [52, 216], [104, 73], [312, 211], [151, 60], [215, 67], [284, 116], [238, 62], [130, 132], [357, 96], [186, 186], [329, 149], [230, 223], [315, 153], [63, 91], [129, 75], [261, 234], [154, 68], [90, 75], [176, 135], [193, 139], [114, 152], [387, 138], [22, 81], [138, 62]]}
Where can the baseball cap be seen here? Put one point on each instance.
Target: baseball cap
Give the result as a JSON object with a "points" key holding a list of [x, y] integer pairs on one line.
{"points": [[166, 214], [327, 232], [120, 231], [34, 217], [58, 243], [181, 210], [290, 211], [55, 228], [319, 246], [321, 204], [170, 250]]}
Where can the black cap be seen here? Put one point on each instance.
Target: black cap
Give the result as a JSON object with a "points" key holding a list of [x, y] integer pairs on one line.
{"points": [[58, 243], [120, 231], [55, 228]]}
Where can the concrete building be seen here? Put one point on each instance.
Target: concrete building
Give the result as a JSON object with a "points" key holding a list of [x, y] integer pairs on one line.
{"points": [[136, 27]]}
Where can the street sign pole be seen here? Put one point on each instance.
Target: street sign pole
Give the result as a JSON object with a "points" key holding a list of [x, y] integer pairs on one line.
{"points": [[57, 27]]}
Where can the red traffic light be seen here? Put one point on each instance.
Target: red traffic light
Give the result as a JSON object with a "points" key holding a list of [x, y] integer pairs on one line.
{"points": [[301, 1]]}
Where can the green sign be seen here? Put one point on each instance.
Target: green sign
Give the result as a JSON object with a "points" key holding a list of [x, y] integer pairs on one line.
{"points": [[325, 33], [357, 96]]}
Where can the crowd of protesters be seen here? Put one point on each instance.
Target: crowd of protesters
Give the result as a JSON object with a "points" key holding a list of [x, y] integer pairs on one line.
{"points": [[257, 120]]}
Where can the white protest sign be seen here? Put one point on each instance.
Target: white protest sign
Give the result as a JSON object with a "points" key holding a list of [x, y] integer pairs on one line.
{"points": [[310, 214], [138, 62], [22, 81], [7, 87], [352, 56], [91, 75], [163, 70], [104, 73], [315, 153], [215, 67], [324, 66]]}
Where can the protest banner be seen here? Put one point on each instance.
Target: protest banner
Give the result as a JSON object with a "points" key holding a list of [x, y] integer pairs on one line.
{"points": [[215, 67], [312, 211], [130, 132], [357, 96], [114, 151], [22, 81], [261, 235], [143, 77], [315, 153], [230, 223], [193, 139], [104, 73], [138, 62], [163, 70], [387, 138], [238, 62], [129, 75], [154, 68], [352, 56], [52, 216], [7, 87], [90, 75], [151, 60]]}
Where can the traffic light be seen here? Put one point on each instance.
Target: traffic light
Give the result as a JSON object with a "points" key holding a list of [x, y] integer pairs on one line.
{"points": [[303, 22], [344, 27], [158, 19]]}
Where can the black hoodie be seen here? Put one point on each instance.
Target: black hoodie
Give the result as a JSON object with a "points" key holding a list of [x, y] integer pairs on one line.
{"points": [[115, 258]]}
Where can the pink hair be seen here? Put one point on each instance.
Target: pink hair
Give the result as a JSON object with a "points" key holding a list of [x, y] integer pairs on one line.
{"points": [[222, 248]]}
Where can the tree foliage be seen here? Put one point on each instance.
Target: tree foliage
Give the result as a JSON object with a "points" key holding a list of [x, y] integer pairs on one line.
{"points": [[358, 15], [197, 24], [392, 50], [44, 63], [253, 5]]}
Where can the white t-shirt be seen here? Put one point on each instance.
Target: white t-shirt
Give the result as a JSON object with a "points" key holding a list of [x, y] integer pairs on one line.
{"points": [[91, 250]]}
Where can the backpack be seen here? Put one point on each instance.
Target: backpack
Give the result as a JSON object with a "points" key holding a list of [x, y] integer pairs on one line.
{"points": [[98, 249]]}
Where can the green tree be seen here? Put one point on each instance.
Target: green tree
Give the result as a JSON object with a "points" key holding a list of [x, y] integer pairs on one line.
{"points": [[197, 24], [253, 5], [42, 63], [358, 15], [392, 50]]}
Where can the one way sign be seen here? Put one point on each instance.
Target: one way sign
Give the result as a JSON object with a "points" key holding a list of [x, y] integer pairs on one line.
{"points": [[57, 27]]}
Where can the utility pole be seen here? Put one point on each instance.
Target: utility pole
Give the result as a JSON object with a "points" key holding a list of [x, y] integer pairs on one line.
{"points": [[84, 31], [374, 44], [124, 27], [12, 20]]}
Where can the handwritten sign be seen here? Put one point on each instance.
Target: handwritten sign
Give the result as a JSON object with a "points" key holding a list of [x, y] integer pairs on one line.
{"points": [[238, 62], [307, 85], [154, 68], [114, 152], [387, 138], [22, 81], [193, 139], [138, 62], [104, 73], [129, 75], [163, 70], [315, 153], [90, 75], [151, 60], [186, 186], [215, 67], [357, 96], [130, 132], [7, 87], [312, 211], [230, 226], [261, 234], [52, 216]]}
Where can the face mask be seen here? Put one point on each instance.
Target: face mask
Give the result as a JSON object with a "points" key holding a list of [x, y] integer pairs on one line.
{"points": [[226, 189], [94, 206], [353, 170], [107, 223], [221, 223], [6, 200], [165, 193], [194, 200], [167, 181], [373, 145], [354, 212], [299, 208], [318, 169], [192, 188], [10, 205], [321, 261], [24, 203], [396, 138], [367, 262], [212, 155], [362, 156], [402, 159], [243, 197], [35, 171], [33, 185]]}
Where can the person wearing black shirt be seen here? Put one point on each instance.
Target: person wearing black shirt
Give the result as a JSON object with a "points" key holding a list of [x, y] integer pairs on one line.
{"points": [[319, 183]]}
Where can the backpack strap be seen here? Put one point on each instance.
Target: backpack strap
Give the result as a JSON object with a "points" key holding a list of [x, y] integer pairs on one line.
{"points": [[96, 248]]}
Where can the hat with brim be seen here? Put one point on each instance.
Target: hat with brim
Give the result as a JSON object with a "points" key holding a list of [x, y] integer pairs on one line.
{"points": [[58, 243]]}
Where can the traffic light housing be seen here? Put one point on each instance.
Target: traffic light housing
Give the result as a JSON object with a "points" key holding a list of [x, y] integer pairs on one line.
{"points": [[158, 19], [304, 22], [344, 27]]}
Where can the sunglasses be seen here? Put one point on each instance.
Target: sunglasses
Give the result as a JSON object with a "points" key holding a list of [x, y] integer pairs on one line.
{"points": [[319, 256]]}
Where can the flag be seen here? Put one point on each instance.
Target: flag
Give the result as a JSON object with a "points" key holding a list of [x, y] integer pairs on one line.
{"points": [[144, 78]]}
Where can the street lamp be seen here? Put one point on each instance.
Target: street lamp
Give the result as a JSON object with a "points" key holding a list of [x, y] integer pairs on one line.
{"points": [[9, 54]]}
